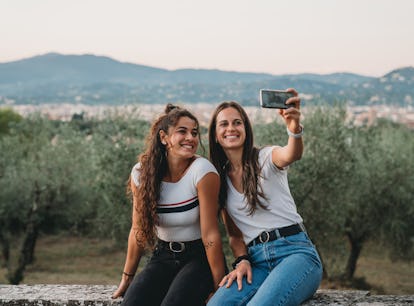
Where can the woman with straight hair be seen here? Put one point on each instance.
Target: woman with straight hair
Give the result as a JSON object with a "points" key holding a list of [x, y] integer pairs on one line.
{"points": [[175, 207], [275, 261]]}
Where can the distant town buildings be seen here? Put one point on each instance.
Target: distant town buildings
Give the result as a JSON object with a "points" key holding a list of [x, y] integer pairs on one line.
{"points": [[358, 115]]}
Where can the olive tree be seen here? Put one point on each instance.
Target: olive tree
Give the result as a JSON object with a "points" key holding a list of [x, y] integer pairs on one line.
{"points": [[380, 192], [46, 178], [62, 176]]}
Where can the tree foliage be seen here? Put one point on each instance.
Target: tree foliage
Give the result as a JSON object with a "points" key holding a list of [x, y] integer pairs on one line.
{"points": [[43, 178], [381, 192], [55, 176], [8, 117], [352, 185]]}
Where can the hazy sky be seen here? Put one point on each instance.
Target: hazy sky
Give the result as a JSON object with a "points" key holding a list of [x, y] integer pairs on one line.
{"points": [[370, 37]]}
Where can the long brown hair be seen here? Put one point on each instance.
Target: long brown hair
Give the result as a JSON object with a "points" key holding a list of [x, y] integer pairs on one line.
{"points": [[153, 167], [251, 169]]}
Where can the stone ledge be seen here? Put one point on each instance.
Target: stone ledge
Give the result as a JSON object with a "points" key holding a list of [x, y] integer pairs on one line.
{"points": [[100, 295]]}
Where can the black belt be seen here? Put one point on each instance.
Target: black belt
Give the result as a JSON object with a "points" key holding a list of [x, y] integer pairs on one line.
{"points": [[179, 247], [277, 233]]}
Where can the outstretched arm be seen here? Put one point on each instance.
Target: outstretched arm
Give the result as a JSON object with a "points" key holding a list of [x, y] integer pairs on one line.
{"points": [[284, 156]]}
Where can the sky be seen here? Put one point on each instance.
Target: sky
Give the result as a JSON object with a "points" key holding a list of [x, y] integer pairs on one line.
{"points": [[368, 37]]}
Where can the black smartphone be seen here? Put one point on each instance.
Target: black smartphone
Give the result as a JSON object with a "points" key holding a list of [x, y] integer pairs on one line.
{"points": [[270, 98]]}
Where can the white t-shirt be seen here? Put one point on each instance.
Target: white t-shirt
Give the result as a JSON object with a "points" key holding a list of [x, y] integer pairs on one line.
{"points": [[281, 208], [178, 208]]}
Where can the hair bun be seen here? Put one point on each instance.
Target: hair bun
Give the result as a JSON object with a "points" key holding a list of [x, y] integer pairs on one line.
{"points": [[169, 107]]}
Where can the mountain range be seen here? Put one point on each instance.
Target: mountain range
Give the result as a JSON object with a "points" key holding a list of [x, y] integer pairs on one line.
{"points": [[91, 79]]}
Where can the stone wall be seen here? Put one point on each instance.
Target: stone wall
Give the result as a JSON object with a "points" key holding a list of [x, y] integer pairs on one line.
{"points": [[91, 295]]}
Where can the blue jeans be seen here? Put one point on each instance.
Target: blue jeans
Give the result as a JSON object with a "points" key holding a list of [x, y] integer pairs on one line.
{"points": [[286, 271], [173, 279]]}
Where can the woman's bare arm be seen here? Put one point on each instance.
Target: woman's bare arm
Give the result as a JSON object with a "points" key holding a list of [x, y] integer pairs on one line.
{"points": [[134, 253], [208, 188]]}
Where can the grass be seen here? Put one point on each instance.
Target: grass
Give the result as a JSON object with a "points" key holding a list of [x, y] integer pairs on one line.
{"points": [[73, 260], [384, 275]]}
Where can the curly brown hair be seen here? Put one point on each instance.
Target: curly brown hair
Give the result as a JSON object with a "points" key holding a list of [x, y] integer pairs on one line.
{"points": [[153, 167]]}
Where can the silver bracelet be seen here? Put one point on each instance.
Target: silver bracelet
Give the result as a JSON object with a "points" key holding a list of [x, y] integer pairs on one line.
{"points": [[298, 135]]}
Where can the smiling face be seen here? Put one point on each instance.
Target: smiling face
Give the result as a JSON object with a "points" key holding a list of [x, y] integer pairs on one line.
{"points": [[230, 129], [182, 139]]}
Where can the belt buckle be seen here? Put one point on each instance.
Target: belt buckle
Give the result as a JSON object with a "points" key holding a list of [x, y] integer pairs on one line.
{"points": [[266, 239], [172, 249]]}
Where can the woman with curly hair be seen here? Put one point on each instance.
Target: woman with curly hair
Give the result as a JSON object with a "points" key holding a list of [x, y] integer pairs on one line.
{"points": [[175, 207]]}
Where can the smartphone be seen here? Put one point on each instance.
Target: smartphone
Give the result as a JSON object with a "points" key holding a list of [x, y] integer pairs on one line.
{"points": [[270, 98]]}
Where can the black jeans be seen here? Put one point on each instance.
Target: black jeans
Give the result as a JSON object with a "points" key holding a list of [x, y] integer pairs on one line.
{"points": [[172, 278]]}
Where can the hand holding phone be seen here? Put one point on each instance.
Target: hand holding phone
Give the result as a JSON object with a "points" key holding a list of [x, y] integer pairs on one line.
{"points": [[270, 98]]}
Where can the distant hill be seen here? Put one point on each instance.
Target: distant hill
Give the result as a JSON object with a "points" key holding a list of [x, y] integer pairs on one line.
{"points": [[90, 79]]}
